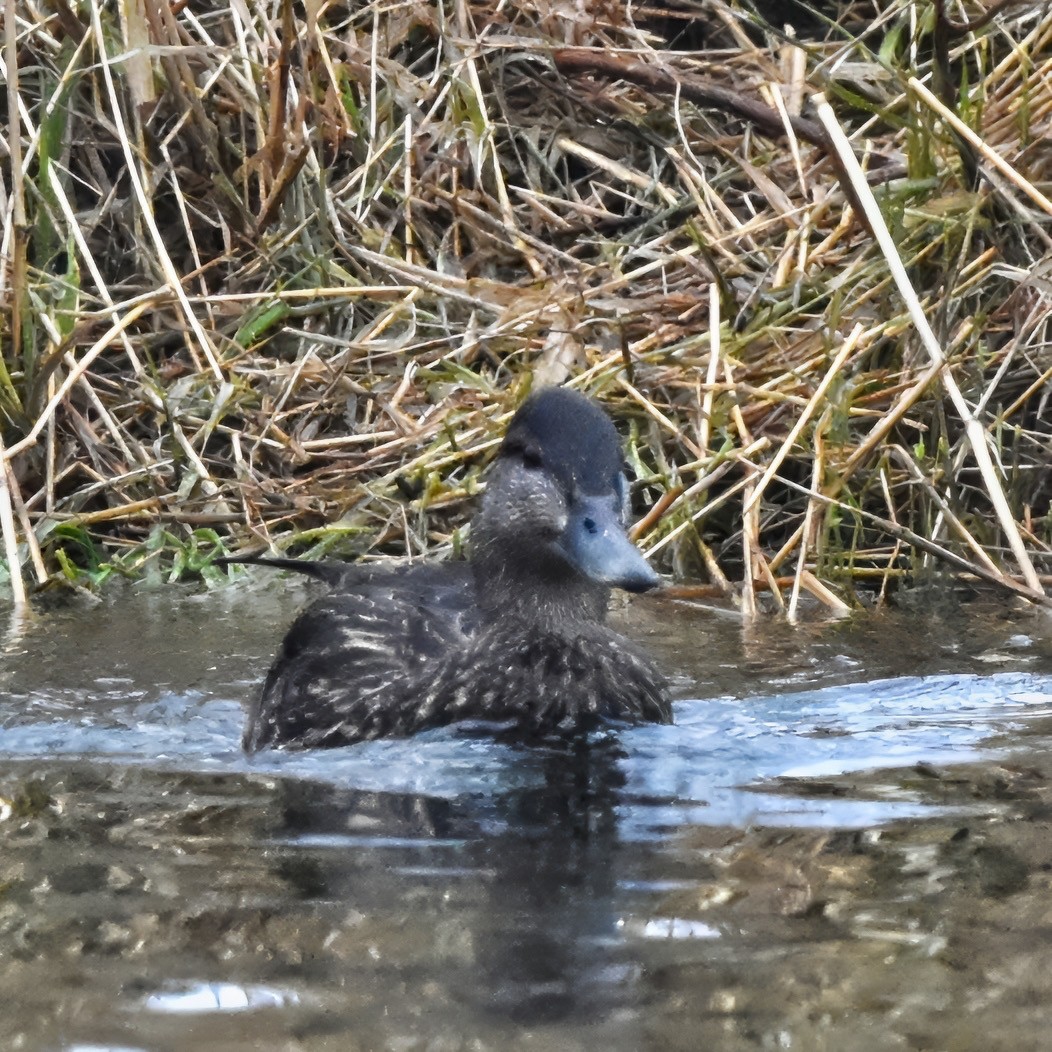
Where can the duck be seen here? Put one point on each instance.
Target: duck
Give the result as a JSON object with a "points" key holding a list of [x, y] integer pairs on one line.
{"points": [[512, 640]]}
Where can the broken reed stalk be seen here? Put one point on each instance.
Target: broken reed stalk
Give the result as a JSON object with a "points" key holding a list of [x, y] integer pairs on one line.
{"points": [[975, 433], [990, 155], [14, 231], [712, 370], [10, 536], [838, 362], [945, 510], [806, 530], [14, 228]]}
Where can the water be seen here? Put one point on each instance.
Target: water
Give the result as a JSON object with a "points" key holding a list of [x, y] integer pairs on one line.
{"points": [[842, 844]]}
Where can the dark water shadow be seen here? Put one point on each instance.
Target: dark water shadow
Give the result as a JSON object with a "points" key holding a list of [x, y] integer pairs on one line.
{"points": [[538, 864]]}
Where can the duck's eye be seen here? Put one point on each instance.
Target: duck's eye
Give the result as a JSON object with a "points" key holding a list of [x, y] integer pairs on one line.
{"points": [[590, 526], [531, 456], [527, 452]]}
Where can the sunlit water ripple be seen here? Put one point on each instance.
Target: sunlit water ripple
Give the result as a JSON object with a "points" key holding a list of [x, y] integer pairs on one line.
{"points": [[711, 767]]}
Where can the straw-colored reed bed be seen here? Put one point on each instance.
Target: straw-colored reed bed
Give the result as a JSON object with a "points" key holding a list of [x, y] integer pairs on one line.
{"points": [[275, 275]]}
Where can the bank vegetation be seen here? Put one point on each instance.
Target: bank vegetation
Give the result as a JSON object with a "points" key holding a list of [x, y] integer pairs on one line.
{"points": [[275, 275]]}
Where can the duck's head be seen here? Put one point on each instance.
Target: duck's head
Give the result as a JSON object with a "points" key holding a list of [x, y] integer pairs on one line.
{"points": [[553, 517]]}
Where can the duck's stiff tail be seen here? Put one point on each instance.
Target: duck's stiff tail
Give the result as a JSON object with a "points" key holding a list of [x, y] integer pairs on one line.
{"points": [[331, 573]]}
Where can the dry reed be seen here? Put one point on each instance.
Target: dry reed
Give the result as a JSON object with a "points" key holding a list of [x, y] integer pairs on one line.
{"points": [[274, 277]]}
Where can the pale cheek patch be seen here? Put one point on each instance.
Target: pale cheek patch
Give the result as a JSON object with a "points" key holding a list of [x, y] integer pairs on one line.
{"points": [[536, 507]]}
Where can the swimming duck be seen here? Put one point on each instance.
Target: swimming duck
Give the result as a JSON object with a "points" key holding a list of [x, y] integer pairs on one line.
{"points": [[513, 639]]}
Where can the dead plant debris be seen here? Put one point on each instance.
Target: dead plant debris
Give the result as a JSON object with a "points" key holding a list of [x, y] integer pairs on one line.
{"points": [[276, 276]]}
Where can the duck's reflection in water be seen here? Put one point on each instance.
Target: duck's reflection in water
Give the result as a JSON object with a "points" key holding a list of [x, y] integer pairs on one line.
{"points": [[499, 905]]}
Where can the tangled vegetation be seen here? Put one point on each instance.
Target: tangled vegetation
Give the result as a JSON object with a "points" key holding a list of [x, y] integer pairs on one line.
{"points": [[274, 275]]}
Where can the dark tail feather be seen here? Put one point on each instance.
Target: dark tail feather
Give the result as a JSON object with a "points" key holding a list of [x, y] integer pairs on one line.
{"points": [[330, 573]]}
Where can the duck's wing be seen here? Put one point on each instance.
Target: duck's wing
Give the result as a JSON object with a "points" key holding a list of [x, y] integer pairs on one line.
{"points": [[351, 659]]}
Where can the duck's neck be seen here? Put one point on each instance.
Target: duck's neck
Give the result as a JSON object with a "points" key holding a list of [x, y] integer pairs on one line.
{"points": [[536, 592]]}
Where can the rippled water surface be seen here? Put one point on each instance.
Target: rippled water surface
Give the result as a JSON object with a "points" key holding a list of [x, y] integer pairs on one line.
{"points": [[842, 844]]}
